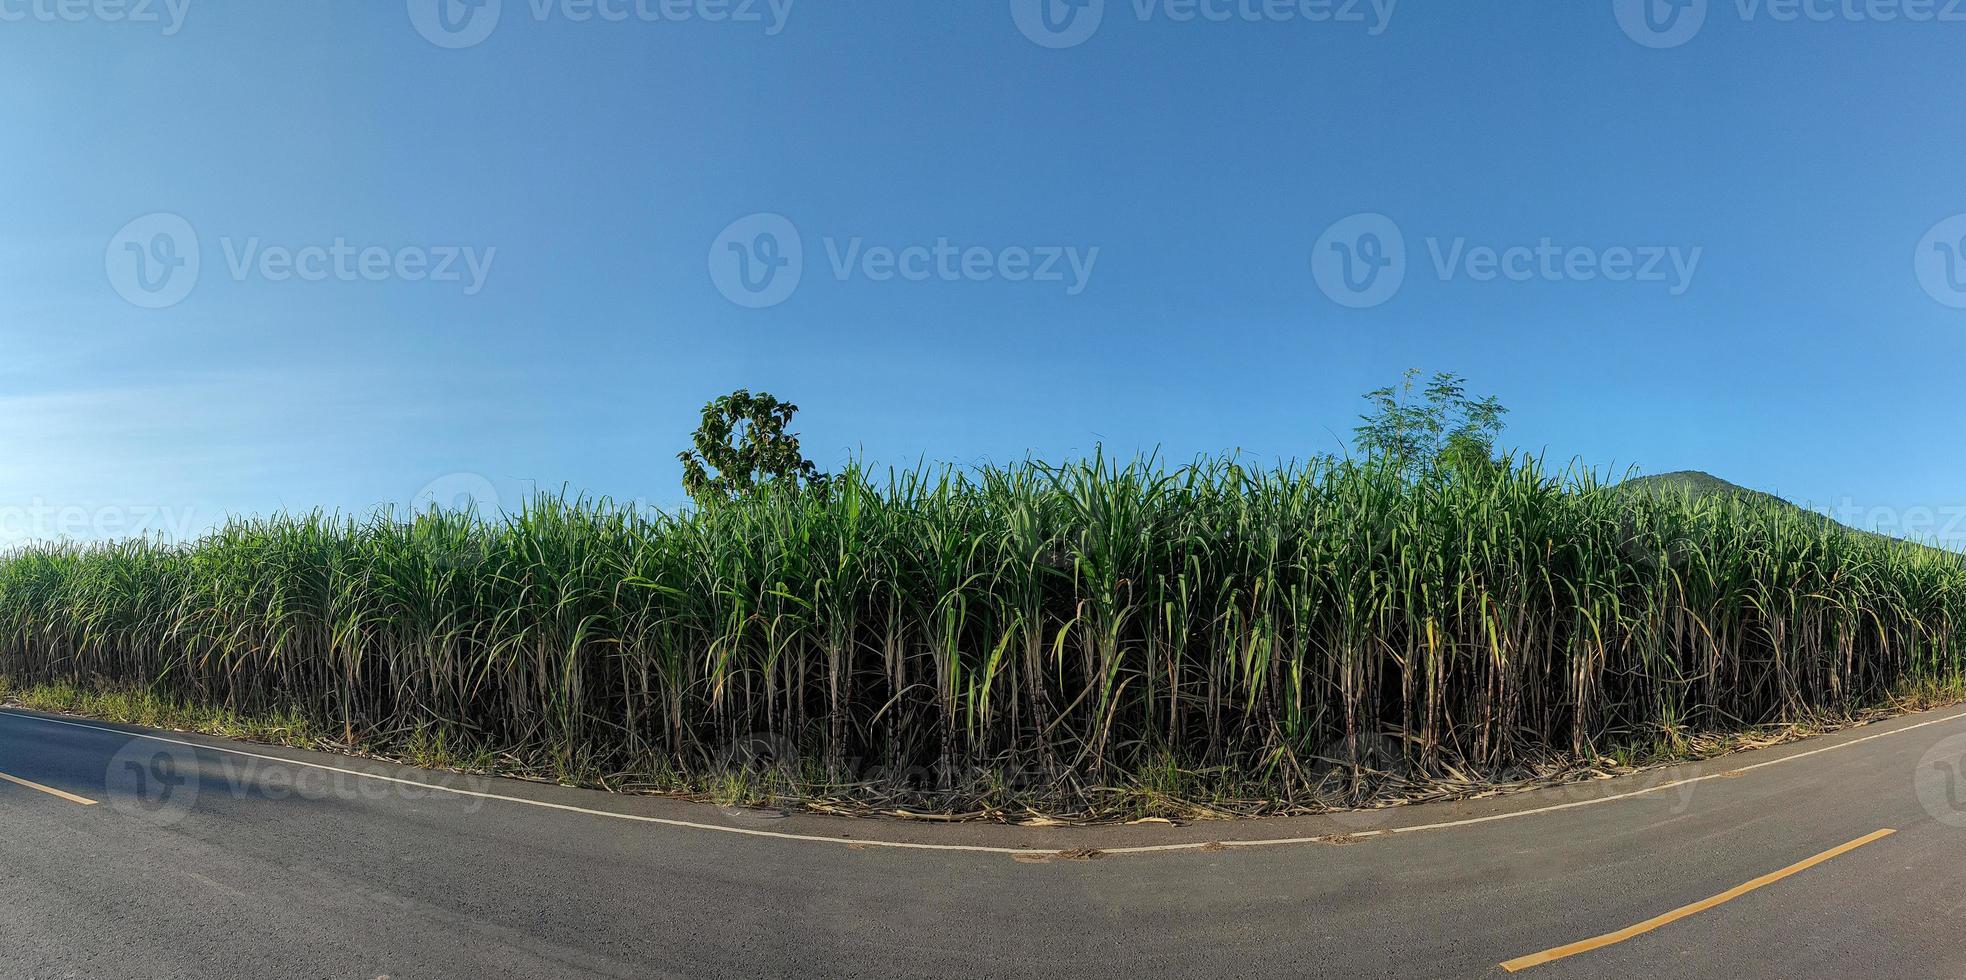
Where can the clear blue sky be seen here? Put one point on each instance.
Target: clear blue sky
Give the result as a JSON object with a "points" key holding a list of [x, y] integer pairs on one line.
{"points": [[598, 164]]}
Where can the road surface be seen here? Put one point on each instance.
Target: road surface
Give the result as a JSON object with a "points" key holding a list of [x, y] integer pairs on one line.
{"points": [[128, 853]]}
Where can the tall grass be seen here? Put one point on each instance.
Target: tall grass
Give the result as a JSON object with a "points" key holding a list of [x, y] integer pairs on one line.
{"points": [[1025, 634]]}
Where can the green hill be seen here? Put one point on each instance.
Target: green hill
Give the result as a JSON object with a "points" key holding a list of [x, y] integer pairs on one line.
{"points": [[1697, 484], [1694, 483]]}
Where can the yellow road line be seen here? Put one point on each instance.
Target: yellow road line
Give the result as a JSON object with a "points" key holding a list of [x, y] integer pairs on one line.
{"points": [[51, 791], [1560, 952]]}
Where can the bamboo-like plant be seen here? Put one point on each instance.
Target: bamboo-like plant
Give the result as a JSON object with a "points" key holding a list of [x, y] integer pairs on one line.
{"points": [[1066, 636]]}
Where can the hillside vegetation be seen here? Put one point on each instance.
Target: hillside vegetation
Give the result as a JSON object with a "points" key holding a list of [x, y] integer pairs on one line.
{"points": [[1693, 483]]}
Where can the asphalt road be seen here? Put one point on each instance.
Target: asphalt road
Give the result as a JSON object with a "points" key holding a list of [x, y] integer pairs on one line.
{"points": [[206, 858]]}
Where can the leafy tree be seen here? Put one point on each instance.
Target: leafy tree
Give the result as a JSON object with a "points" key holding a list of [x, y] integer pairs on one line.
{"points": [[742, 445], [1442, 428]]}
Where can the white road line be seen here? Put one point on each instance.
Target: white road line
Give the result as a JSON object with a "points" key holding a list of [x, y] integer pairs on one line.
{"points": [[1675, 784], [982, 848]]}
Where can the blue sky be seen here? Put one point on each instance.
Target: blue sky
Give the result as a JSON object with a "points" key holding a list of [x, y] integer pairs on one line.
{"points": [[1742, 225]]}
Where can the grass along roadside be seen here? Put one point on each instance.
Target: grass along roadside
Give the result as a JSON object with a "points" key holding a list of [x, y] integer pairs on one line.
{"points": [[1088, 641], [1151, 799], [285, 728], [150, 711]]}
